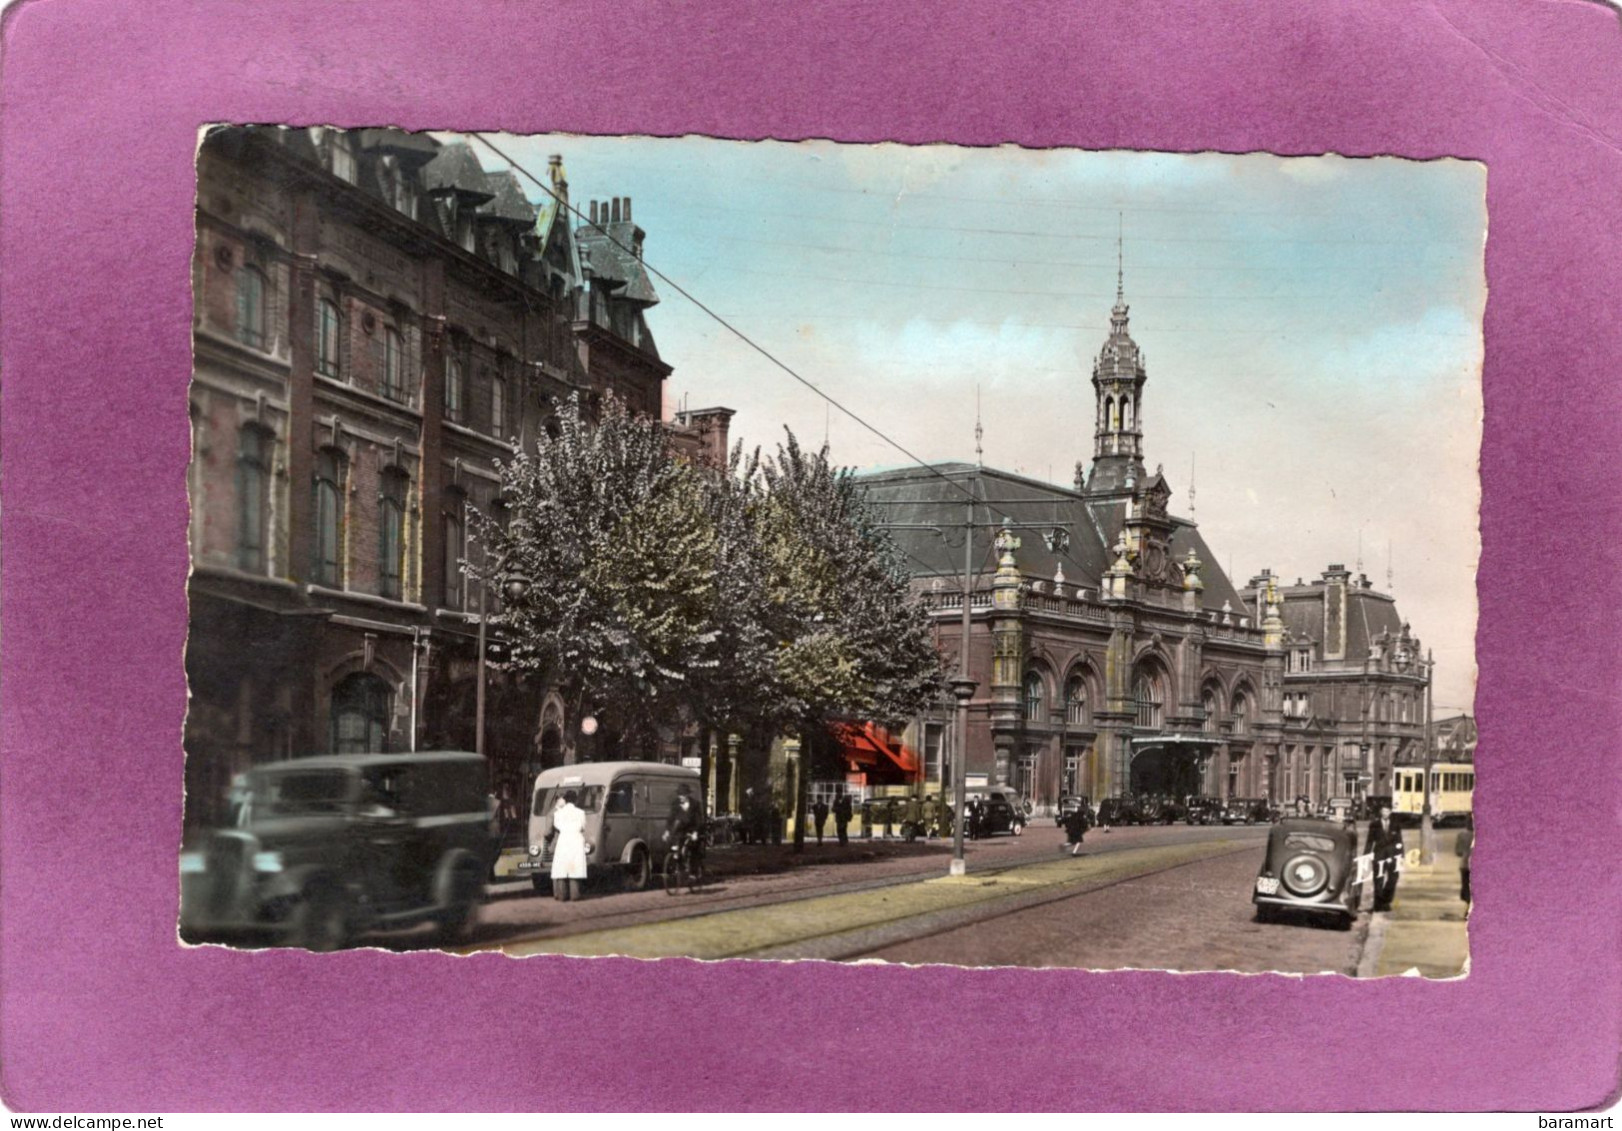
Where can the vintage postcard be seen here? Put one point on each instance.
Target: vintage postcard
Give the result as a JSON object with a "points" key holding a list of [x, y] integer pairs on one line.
{"points": [[933, 555]]}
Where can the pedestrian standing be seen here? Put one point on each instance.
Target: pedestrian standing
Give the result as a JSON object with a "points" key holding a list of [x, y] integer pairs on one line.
{"points": [[1385, 844], [842, 817], [568, 848], [819, 816], [912, 816], [930, 816], [889, 817], [1075, 828], [1463, 847], [973, 818]]}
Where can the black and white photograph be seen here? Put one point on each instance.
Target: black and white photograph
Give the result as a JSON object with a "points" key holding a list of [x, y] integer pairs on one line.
{"points": [[931, 555]]}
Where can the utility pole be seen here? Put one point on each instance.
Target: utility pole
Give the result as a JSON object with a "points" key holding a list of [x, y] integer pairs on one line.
{"points": [[963, 685], [1427, 827]]}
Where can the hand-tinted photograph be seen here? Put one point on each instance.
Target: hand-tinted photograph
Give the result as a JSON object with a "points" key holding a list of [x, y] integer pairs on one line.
{"points": [[725, 550]]}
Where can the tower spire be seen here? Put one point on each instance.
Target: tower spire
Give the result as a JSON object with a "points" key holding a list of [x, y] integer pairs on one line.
{"points": [[1388, 567], [1120, 258], [1192, 464], [979, 455]]}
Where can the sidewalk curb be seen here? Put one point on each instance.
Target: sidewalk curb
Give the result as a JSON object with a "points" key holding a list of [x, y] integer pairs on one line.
{"points": [[1373, 945]]}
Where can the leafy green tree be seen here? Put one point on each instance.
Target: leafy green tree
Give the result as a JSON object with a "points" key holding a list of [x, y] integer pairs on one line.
{"points": [[619, 545], [854, 641]]}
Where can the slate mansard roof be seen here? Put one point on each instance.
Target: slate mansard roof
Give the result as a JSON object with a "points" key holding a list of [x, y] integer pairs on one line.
{"points": [[921, 496]]}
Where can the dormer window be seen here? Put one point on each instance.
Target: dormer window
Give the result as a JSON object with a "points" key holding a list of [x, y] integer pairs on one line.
{"points": [[342, 157]]}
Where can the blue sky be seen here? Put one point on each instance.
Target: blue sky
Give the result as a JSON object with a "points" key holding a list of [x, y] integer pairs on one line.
{"points": [[1311, 327]]}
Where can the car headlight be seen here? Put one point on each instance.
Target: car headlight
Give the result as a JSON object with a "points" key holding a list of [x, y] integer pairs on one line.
{"points": [[534, 850], [267, 861]]}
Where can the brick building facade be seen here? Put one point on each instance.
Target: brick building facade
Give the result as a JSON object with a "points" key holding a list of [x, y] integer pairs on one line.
{"points": [[377, 320]]}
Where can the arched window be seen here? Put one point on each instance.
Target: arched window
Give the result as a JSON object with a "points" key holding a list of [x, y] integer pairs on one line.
{"points": [[391, 534], [1241, 713], [455, 546], [251, 307], [1208, 705], [1146, 697], [329, 517], [327, 357], [453, 389], [253, 467], [1112, 414], [360, 715], [1075, 700], [393, 377], [1126, 414], [1033, 697]]}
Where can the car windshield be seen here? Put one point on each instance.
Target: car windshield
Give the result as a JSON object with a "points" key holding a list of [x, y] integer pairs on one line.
{"points": [[302, 792], [587, 797], [1310, 842]]}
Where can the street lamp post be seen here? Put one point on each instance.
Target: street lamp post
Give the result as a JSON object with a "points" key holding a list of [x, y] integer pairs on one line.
{"points": [[962, 690]]}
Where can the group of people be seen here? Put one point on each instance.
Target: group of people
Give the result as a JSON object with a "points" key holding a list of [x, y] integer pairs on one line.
{"points": [[684, 831]]}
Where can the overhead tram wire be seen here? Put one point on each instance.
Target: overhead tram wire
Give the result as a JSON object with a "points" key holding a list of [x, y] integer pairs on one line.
{"points": [[739, 334]]}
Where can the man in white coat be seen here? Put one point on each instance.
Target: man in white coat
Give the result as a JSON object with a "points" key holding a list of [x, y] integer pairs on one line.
{"points": [[569, 847]]}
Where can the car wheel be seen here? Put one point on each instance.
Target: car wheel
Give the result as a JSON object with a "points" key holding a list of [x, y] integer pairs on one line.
{"points": [[460, 898], [1348, 921], [1018, 828], [1304, 875], [319, 922], [639, 872]]}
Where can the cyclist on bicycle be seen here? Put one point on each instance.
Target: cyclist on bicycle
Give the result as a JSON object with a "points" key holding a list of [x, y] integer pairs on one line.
{"points": [[684, 829]]}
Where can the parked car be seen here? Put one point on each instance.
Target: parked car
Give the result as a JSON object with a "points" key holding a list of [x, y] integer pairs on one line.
{"points": [[1338, 809], [1002, 811], [1068, 804], [626, 806], [1120, 811], [1247, 811], [1310, 867], [323, 850], [1203, 811]]}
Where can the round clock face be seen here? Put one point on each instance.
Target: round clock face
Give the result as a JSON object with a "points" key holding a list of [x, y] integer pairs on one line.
{"points": [[1154, 561]]}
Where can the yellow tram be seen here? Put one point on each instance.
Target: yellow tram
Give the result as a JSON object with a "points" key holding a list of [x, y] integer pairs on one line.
{"points": [[1452, 784]]}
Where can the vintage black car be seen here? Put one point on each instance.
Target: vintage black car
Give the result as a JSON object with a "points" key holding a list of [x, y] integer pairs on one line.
{"points": [[1121, 811], [1203, 811], [325, 849], [1000, 812], [1311, 866], [1246, 811]]}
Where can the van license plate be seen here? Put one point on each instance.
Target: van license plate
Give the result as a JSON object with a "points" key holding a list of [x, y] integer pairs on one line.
{"points": [[1266, 885]]}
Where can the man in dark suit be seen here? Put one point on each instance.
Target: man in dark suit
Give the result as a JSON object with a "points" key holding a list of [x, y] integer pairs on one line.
{"points": [[1384, 842], [842, 813]]}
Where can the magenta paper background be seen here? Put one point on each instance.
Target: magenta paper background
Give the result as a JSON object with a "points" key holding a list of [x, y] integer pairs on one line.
{"points": [[102, 1010]]}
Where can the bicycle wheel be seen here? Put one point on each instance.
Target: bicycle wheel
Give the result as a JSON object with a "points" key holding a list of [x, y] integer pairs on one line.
{"points": [[673, 872], [695, 873]]}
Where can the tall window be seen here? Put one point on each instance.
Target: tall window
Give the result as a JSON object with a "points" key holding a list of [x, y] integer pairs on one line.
{"points": [[326, 338], [1146, 696], [1075, 700], [498, 405], [253, 466], [328, 517], [1208, 705], [1033, 697], [455, 546], [360, 715], [251, 307], [393, 379], [391, 535], [934, 747], [453, 389]]}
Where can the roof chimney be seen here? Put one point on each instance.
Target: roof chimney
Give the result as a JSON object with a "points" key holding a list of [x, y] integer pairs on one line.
{"points": [[615, 206], [627, 210], [594, 212]]}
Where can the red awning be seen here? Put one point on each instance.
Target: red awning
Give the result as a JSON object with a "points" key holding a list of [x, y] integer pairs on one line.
{"points": [[866, 745]]}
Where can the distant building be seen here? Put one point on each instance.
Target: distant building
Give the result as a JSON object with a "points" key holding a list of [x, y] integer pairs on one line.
{"points": [[1111, 653], [1454, 738], [1353, 685], [377, 321]]}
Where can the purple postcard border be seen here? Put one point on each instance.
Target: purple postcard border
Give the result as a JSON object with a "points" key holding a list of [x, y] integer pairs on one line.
{"points": [[100, 1009]]}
